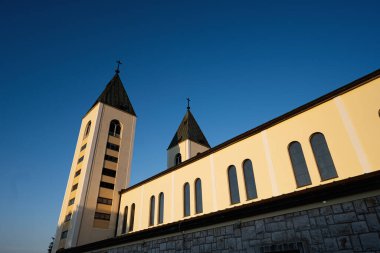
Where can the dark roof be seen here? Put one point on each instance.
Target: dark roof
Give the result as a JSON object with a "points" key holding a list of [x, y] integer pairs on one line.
{"points": [[115, 95], [357, 83], [189, 130], [338, 189]]}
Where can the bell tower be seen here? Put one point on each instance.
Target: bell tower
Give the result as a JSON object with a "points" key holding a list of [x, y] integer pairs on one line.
{"points": [[100, 169], [187, 142]]}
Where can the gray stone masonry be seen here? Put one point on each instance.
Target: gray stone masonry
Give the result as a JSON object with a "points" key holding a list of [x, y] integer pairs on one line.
{"points": [[348, 227]]}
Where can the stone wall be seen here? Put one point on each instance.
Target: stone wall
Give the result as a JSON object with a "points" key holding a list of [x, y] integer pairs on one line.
{"points": [[347, 227]]}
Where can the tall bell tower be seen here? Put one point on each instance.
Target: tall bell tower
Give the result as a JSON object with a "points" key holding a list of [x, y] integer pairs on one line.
{"points": [[100, 169]]}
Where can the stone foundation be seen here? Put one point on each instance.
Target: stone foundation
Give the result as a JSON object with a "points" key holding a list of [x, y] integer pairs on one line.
{"points": [[351, 226]]}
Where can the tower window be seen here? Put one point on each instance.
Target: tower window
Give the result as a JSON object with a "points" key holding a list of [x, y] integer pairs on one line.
{"points": [[249, 179], [186, 200], [77, 173], [75, 186], [113, 146], [132, 218], [87, 130], [322, 156], [177, 159], [64, 234], [110, 158], [83, 147], [80, 159], [151, 214], [198, 196], [161, 208], [233, 184], [104, 201], [300, 170], [68, 217], [115, 128], [109, 172], [125, 219], [102, 216], [107, 185], [71, 201]]}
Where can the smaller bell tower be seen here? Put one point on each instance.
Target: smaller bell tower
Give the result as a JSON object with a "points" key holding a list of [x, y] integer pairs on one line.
{"points": [[188, 141], [100, 169]]}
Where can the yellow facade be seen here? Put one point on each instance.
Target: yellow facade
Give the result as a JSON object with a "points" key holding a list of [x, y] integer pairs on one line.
{"points": [[349, 122]]}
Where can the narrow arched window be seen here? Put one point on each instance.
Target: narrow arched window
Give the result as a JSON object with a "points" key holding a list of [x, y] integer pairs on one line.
{"points": [[186, 200], [322, 156], [132, 218], [115, 128], [233, 184], [87, 130], [198, 196], [152, 207], [161, 208], [300, 170], [249, 180], [177, 159], [125, 219]]}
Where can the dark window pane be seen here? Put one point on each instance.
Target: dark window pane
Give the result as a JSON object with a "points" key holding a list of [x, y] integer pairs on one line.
{"points": [[113, 146], [107, 185], [152, 205], [68, 217], [83, 147], [71, 201], [109, 172], [87, 130], [77, 173], [186, 199], [178, 159], [80, 159], [233, 184], [323, 157], [102, 216], [198, 196], [132, 218], [115, 128], [297, 158], [104, 201], [125, 219], [249, 179], [75, 186], [64, 234], [110, 158], [161, 208]]}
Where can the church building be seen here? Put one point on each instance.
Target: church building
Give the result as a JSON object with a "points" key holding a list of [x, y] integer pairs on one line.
{"points": [[306, 181]]}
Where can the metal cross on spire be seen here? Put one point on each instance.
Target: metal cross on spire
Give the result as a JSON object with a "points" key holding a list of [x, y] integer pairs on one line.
{"points": [[188, 104], [118, 65]]}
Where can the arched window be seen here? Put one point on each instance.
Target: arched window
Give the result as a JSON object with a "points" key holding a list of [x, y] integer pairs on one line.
{"points": [[198, 196], [152, 207], [125, 219], [249, 179], [87, 130], [322, 156], [161, 208], [186, 200], [233, 184], [300, 170], [115, 128], [177, 159], [132, 218]]}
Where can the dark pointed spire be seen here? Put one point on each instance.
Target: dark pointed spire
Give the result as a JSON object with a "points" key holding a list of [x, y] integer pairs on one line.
{"points": [[118, 65], [188, 104], [189, 130], [115, 95]]}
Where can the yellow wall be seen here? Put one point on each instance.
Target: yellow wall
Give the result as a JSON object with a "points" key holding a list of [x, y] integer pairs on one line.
{"points": [[349, 122]]}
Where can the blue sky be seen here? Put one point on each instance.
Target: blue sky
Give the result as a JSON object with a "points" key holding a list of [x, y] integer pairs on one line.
{"points": [[242, 63]]}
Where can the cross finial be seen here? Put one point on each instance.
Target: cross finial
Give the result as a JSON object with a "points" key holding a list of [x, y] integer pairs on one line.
{"points": [[118, 65], [188, 104]]}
